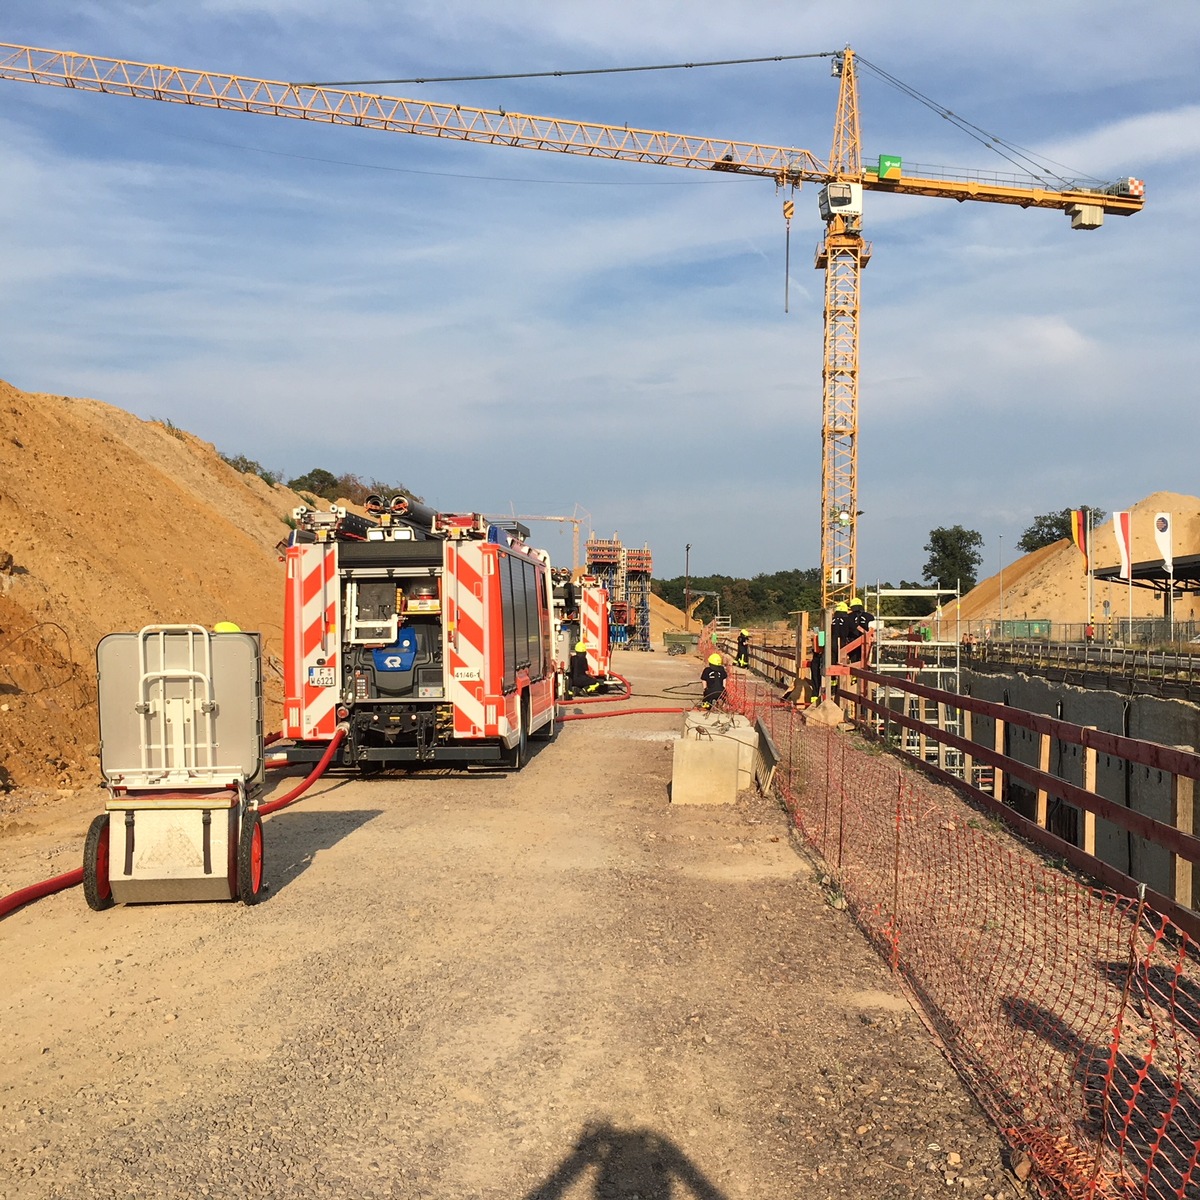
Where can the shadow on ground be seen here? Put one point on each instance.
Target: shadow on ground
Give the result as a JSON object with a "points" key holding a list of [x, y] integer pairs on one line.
{"points": [[627, 1162], [292, 839]]}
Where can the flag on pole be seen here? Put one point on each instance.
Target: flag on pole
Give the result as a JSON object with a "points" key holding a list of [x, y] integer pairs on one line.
{"points": [[1079, 532], [1121, 529], [1162, 535]]}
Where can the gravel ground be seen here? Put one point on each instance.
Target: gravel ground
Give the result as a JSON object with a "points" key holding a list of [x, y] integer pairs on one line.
{"points": [[551, 984]]}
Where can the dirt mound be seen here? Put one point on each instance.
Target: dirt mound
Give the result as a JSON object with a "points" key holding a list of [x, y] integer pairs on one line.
{"points": [[664, 618], [1050, 584], [110, 522]]}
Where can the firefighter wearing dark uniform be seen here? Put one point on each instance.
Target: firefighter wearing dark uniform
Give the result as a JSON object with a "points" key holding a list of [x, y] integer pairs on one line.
{"points": [[582, 680], [860, 624], [713, 677], [841, 628], [743, 649], [816, 661]]}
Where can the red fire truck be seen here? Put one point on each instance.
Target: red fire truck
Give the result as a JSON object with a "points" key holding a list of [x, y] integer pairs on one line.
{"points": [[428, 634]]}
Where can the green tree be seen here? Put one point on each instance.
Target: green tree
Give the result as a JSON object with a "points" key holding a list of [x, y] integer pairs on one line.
{"points": [[318, 482], [765, 597], [247, 466], [1053, 527], [953, 557]]}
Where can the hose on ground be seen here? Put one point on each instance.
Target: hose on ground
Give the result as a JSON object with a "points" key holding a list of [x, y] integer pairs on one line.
{"points": [[625, 712], [36, 891], [339, 736], [60, 883]]}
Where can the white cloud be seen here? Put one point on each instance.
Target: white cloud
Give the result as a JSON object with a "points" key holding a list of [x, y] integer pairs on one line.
{"points": [[1154, 138]]}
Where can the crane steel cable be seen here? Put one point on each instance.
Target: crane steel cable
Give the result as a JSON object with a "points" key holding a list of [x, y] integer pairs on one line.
{"points": [[683, 66], [1025, 159]]}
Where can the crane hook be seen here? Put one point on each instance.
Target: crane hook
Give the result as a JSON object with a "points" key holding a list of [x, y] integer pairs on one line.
{"points": [[789, 210]]}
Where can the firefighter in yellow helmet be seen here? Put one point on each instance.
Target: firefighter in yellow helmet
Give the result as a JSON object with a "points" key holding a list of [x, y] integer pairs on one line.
{"points": [[581, 679], [860, 626], [842, 627], [713, 677], [742, 658]]}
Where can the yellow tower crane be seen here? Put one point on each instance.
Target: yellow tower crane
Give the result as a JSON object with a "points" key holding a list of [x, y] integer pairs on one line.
{"points": [[574, 521], [842, 254]]}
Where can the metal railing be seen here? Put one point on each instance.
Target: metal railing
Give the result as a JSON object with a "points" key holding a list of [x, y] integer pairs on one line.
{"points": [[1121, 668], [882, 719]]}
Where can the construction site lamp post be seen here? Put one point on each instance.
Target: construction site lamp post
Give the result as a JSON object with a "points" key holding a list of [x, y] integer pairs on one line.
{"points": [[687, 588], [1001, 585]]}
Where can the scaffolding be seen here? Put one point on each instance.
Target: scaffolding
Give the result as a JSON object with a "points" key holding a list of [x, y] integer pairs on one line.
{"points": [[924, 650], [639, 565], [625, 575]]}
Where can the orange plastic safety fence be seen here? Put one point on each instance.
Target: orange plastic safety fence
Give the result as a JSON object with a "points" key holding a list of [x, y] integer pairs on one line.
{"points": [[1072, 1012]]}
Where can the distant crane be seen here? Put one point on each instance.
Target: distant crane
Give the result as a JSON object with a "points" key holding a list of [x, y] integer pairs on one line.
{"points": [[842, 254], [579, 517]]}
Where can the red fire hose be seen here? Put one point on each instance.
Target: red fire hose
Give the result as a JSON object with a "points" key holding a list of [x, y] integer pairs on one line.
{"points": [[339, 736], [60, 883], [36, 891], [625, 712]]}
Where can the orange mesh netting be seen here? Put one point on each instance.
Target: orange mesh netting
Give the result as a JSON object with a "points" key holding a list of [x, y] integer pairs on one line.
{"points": [[1073, 1012]]}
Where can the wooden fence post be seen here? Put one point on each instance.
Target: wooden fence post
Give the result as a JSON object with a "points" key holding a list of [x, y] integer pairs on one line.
{"points": [[1043, 765], [1183, 817], [1087, 820], [998, 774], [969, 734]]}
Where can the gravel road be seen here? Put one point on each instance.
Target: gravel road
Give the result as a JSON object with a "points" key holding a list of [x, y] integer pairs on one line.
{"points": [[542, 985]]}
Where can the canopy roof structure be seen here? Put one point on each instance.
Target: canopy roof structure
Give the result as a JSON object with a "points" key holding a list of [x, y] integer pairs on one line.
{"points": [[1153, 575]]}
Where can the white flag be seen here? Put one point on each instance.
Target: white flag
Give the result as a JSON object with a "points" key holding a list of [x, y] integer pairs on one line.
{"points": [[1121, 529], [1162, 535]]}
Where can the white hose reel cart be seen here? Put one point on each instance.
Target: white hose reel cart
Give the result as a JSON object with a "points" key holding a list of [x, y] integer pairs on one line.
{"points": [[181, 753]]}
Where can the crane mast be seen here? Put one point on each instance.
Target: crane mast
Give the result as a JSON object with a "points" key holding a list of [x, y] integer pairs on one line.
{"points": [[842, 254]]}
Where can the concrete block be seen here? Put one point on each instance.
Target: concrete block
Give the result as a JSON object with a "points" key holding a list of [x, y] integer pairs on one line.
{"points": [[746, 739], [704, 771], [709, 726]]}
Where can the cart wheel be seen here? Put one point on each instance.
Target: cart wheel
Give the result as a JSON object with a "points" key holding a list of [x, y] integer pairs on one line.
{"points": [[250, 859], [97, 890]]}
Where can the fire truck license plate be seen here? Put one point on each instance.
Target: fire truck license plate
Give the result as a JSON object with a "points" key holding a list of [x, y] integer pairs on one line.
{"points": [[321, 677]]}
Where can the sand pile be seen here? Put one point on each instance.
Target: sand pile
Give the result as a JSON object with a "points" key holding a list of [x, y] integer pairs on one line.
{"points": [[665, 618], [108, 522], [1050, 583]]}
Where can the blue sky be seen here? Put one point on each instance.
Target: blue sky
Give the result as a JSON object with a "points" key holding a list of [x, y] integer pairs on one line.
{"points": [[496, 328]]}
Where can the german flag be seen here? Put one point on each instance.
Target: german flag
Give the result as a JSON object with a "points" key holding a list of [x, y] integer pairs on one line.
{"points": [[1079, 532]]}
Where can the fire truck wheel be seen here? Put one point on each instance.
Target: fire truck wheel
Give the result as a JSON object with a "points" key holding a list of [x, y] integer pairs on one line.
{"points": [[97, 890], [250, 859], [517, 757]]}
